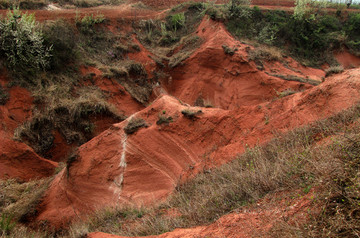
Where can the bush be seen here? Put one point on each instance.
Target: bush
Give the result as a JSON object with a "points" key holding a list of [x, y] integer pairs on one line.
{"points": [[22, 42]]}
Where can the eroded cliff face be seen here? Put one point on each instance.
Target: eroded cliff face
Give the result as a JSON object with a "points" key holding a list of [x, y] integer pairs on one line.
{"points": [[247, 104]]}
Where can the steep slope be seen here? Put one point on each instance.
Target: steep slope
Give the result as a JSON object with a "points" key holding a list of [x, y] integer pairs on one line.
{"points": [[232, 81], [144, 167], [18, 160]]}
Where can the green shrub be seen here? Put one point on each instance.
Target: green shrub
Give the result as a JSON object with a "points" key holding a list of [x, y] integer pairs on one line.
{"points": [[87, 23], [22, 42], [177, 21], [352, 26]]}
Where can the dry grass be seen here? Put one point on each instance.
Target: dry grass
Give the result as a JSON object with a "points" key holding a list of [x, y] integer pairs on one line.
{"points": [[265, 53], [295, 78], [20, 200], [334, 70], [134, 125], [71, 116], [294, 163]]}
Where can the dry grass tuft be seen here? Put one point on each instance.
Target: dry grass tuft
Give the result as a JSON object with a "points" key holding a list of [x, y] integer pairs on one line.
{"points": [[19, 200], [265, 53], [334, 70], [134, 125]]}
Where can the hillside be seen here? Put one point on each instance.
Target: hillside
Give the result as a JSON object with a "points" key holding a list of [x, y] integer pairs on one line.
{"points": [[176, 119]]}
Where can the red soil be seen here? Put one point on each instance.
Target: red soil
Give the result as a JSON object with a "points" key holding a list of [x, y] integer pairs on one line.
{"points": [[144, 168], [230, 82], [347, 60], [16, 110], [113, 169], [116, 93], [18, 160]]}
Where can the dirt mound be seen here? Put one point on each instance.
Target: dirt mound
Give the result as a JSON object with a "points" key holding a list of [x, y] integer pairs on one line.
{"points": [[231, 81], [18, 160], [178, 142]]}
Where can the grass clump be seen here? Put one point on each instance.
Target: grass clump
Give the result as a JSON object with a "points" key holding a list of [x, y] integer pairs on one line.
{"points": [[134, 125], [191, 114], [334, 70], [164, 119], [265, 53]]}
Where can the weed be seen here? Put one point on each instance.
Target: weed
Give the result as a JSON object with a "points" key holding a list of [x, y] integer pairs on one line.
{"points": [[134, 125], [177, 21], [87, 23], [6, 225], [201, 102], [21, 199]]}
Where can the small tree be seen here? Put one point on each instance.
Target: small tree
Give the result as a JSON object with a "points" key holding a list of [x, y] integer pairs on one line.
{"points": [[22, 42]]}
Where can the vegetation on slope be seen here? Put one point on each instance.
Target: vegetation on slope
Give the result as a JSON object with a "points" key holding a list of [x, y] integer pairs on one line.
{"points": [[306, 38], [293, 163], [45, 58]]}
